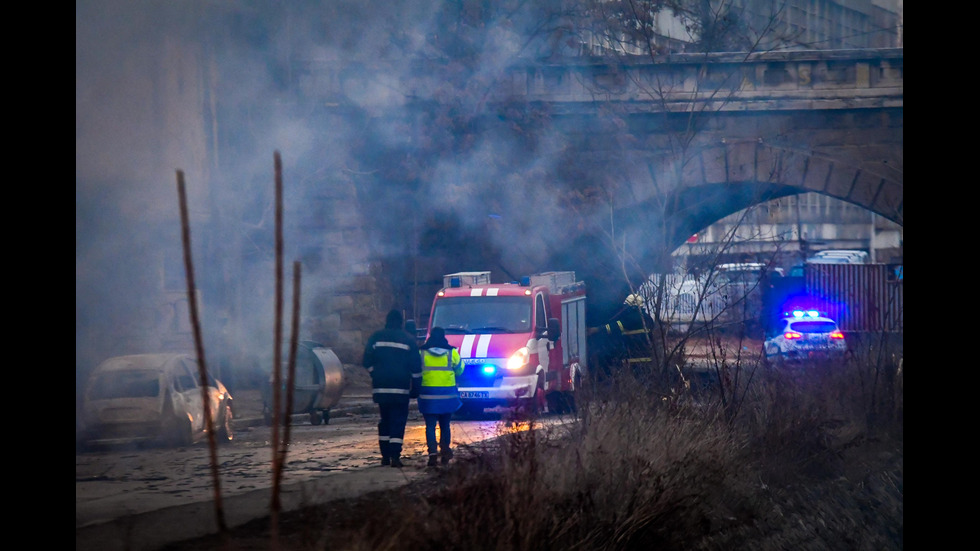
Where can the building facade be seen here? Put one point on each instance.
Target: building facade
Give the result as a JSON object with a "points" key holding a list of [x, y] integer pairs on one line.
{"points": [[788, 230]]}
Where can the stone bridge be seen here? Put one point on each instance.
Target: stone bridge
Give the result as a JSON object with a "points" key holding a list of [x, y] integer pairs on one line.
{"points": [[679, 142], [760, 126], [828, 121]]}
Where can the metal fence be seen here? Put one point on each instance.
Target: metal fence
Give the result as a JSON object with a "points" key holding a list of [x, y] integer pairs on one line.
{"points": [[860, 297]]}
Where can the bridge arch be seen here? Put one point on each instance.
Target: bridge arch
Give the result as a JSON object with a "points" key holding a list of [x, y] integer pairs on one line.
{"points": [[668, 200], [685, 194]]}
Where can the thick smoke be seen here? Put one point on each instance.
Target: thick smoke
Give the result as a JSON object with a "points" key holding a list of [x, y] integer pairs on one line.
{"points": [[212, 90]]}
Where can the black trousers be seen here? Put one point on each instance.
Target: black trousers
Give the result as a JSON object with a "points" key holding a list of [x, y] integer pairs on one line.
{"points": [[445, 437], [391, 428]]}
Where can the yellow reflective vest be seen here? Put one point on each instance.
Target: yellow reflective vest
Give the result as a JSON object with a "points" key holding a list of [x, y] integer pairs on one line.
{"points": [[440, 367]]}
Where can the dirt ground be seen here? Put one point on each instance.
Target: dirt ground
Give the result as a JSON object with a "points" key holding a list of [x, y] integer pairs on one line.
{"points": [[729, 346], [326, 526]]}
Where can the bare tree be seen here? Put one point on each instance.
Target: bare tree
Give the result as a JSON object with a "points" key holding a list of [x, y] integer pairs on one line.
{"points": [[624, 33]]}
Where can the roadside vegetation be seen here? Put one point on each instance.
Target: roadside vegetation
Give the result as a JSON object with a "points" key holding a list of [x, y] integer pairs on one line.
{"points": [[813, 460]]}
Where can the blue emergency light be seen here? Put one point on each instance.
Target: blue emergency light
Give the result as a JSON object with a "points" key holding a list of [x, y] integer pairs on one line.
{"points": [[455, 282], [806, 313]]}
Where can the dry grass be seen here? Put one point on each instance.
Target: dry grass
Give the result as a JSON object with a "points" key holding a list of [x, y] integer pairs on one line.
{"points": [[813, 460]]}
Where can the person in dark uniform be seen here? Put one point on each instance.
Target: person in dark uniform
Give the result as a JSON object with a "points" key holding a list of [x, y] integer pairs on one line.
{"points": [[624, 339], [392, 358]]}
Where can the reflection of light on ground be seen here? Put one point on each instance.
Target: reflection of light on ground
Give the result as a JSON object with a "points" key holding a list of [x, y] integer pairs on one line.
{"points": [[466, 432], [518, 426]]}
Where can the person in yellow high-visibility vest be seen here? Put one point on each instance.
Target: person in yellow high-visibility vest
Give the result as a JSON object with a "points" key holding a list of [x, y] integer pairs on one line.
{"points": [[439, 397]]}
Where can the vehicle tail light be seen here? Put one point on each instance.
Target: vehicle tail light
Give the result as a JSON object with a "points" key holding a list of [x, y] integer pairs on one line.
{"points": [[836, 334], [793, 335]]}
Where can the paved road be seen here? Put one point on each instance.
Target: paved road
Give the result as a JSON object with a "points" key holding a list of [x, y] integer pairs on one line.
{"points": [[145, 499]]}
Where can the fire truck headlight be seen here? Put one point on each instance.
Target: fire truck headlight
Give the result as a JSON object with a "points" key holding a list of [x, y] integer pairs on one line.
{"points": [[518, 359]]}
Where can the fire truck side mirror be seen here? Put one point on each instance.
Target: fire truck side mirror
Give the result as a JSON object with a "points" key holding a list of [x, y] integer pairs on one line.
{"points": [[554, 329]]}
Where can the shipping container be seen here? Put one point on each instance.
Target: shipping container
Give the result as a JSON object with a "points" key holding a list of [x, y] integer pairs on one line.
{"points": [[859, 297]]}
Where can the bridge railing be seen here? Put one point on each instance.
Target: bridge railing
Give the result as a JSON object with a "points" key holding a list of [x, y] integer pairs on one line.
{"points": [[735, 81]]}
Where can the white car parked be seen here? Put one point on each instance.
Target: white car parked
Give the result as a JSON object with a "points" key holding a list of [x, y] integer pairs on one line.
{"points": [[804, 335], [839, 256], [152, 398]]}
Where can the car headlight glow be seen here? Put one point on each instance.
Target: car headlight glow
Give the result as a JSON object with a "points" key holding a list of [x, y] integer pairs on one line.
{"points": [[519, 359]]}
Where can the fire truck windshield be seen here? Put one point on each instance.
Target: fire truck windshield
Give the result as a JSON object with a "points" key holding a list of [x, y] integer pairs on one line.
{"points": [[463, 315]]}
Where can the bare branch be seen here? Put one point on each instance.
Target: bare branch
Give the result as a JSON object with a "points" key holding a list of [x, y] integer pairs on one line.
{"points": [[199, 347]]}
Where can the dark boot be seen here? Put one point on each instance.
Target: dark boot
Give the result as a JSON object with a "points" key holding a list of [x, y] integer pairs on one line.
{"points": [[432, 460], [396, 462], [385, 452], [446, 456]]}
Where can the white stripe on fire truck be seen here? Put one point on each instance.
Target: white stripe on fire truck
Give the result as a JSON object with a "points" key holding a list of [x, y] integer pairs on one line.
{"points": [[476, 292], [492, 292], [466, 347], [468, 350], [481, 349]]}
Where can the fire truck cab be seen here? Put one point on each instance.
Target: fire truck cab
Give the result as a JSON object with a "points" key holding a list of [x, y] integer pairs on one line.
{"points": [[522, 343]]}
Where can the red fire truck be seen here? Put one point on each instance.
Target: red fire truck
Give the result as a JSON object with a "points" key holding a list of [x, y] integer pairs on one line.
{"points": [[523, 343]]}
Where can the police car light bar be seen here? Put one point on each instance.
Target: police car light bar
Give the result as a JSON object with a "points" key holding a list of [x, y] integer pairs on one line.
{"points": [[805, 313]]}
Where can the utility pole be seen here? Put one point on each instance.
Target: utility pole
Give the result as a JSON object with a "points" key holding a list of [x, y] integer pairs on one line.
{"points": [[871, 241], [804, 248]]}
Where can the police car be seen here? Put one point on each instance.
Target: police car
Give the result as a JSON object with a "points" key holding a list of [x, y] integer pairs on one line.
{"points": [[804, 335]]}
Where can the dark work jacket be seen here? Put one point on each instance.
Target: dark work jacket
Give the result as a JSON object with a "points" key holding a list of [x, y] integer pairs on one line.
{"points": [[626, 332], [392, 358], [628, 322]]}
